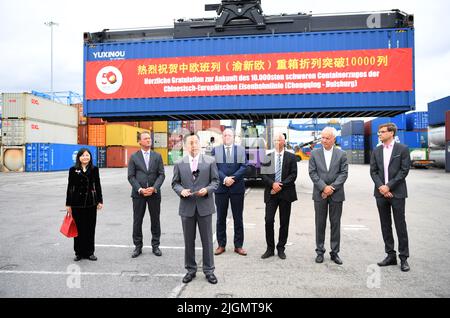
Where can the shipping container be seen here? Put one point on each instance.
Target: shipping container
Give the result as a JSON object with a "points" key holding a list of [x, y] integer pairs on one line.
{"points": [[147, 125], [122, 135], [271, 94], [164, 152], [447, 126], [96, 121], [83, 135], [13, 158], [128, 123], [97, 135], [436, 136], [31, 107], [175, 155], [101, 157], [159, 140], [355, 156], [44, 157], [420, 154], [417, 121], [447, 157], [412, 139], [18, 132], [82, 120], [399, 121], [354, 127], [437, 110], [160, 126], [368, 128], [119, 156], [353, 142]]}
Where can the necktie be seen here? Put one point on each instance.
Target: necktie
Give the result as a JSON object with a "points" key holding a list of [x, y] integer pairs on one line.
{"points": [[228, 159], [278, 170], [146, 158]]}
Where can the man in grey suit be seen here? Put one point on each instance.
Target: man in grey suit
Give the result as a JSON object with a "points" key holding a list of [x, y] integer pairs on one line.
{"points": [[195, 178], [389, 166], [328, 171], [146, 175]]}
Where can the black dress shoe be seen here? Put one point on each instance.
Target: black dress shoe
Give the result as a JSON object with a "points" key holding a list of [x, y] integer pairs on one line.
{"points": [[335, 258], [157, 251], [136, 253], [77, 258], [389, 260], [188, 277], [319, 258], [282, 254], [92, 257], [267, 254], [211, 278], [404, 266]]}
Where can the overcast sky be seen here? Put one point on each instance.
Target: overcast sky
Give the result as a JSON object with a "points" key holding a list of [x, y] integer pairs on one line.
{"points": [[25, 40]]}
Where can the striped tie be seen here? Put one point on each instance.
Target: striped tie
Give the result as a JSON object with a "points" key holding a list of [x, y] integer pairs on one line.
{"points": [[278, 169]]}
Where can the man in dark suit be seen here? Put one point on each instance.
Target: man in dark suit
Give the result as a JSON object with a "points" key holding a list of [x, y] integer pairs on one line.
{"points": [[389, 166], [328, 170], [146, 175], [231, 163], [279, 172], [195, 178]]}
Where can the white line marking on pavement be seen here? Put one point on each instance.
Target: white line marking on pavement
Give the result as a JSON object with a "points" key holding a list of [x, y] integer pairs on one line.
{"points": [[132, 246], [355, 227]]}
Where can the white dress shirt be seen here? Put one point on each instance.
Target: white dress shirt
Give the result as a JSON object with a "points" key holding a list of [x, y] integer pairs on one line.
{"points": [[328, 154]]}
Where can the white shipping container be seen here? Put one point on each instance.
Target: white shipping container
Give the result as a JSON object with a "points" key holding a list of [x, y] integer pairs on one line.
{"points": [[18, 132], [28, 106], [160, 140]]}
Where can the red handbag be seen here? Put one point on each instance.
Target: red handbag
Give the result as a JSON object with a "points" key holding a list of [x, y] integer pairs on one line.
{"points": [[69, 228]]}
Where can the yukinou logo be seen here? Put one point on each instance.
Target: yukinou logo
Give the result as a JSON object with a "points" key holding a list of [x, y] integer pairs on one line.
{"points": [[109, 55]]}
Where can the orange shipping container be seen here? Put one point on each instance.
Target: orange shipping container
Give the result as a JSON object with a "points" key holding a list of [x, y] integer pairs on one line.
{"points": [[147, 125], [83, 135], [81, 119], [95, 121], [118, 156], [97, 135]]}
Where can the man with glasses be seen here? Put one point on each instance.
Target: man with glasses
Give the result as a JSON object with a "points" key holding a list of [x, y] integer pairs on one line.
{"points": [[389, 166]]}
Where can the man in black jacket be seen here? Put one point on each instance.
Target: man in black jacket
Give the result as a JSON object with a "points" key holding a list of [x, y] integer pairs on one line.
{"points": [[279, 172], [146, 175], [389, 166]]}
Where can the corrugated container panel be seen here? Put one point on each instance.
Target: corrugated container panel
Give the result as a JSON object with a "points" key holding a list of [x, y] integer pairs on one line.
{"points": [[412, 139], [436, 136], [96, 121], [399, 121], [437, 110], [82, 120], [118, 156], [122, 135], [28, 106], [354, 127], [355, 156], [97, 135], [447, 126], [254, 44], [164, 152], [160, 126], [13, 158], [83, 135], [44, 157], [18, 132], [353, 142], [101, 157], [147, 125], [417, 120], [159, 140]]}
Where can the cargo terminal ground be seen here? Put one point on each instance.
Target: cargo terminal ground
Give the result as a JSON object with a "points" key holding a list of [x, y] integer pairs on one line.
{"points": [[37, 261]]}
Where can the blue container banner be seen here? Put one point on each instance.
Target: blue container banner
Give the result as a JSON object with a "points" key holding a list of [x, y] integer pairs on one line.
{"points": [[44, 157], [437, 110]]}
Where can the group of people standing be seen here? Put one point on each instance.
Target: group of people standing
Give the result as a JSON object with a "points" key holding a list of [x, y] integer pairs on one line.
{"points": [[206, 183]]}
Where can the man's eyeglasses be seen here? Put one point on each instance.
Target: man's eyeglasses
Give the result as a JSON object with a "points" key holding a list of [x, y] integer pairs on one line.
{"points": [[382, 132]]}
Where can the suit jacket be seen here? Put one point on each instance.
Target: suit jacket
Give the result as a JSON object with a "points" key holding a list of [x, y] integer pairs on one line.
{"points": [[84, 188], [237, 168], [398, 170], [141, 177], [208, 178], [321, 177], [288, 176]]}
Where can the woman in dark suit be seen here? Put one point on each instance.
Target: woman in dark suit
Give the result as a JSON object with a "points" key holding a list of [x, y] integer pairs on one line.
{"points": [[84, 198]]}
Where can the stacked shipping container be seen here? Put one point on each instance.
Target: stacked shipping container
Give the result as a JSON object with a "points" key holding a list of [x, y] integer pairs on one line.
{"points": [[352, 141], [436, 130]]}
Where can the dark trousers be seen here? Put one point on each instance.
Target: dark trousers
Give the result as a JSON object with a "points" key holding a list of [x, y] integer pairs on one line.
{"points": [[85, 219], [322, 209], [398, 210], [285, 214], [237, 207], [154, 207], [189, 232]]}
